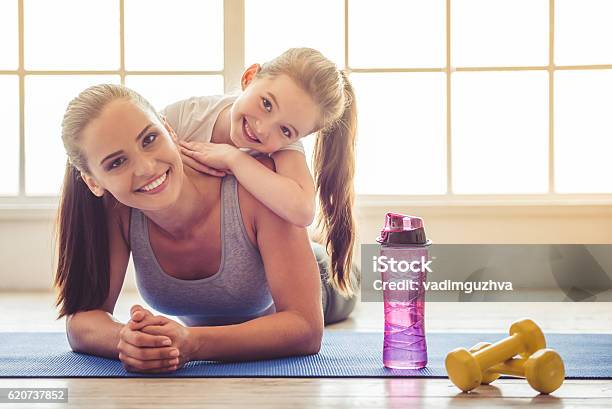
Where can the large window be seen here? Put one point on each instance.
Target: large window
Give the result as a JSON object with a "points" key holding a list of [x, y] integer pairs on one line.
{"points": [[457, 98]]}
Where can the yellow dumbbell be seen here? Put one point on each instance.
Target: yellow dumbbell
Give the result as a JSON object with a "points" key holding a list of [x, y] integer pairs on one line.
{"points": [[465, 369], [488, 376], [544, 369]]}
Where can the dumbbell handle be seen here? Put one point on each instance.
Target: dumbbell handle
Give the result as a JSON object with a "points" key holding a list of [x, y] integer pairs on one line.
{"points": [[514, 367], [499, 352]]}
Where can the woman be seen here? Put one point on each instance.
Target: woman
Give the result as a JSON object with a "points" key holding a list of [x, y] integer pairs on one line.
{"points": [[243, 280]]}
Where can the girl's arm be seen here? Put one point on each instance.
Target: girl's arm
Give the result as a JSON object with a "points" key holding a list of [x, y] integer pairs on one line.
{"points": [[292, 164], [293, 277], [289, 192]]}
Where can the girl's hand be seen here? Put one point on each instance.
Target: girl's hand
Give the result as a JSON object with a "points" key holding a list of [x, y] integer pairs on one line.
{"points": [[141, 352], [181, 337], [213, 158]]}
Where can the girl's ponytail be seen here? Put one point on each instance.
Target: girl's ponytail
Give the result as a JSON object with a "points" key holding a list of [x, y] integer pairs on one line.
{"points": [[82, 275], [334, 171], [334, 152]]}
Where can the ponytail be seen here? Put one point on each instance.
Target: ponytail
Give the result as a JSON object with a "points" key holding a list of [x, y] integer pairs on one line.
{"points": [[82, 276], [334, 152], [334, 171]]}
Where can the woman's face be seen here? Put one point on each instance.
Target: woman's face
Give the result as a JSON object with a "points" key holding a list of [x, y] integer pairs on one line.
{"points": [[271, 112], [132, 156]]}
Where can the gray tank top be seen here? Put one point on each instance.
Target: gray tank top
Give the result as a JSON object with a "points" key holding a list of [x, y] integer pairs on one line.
{"points": [[236, 293]]}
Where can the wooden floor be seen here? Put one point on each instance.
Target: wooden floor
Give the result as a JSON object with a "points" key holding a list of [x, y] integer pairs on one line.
{"points": [[35, 312]]}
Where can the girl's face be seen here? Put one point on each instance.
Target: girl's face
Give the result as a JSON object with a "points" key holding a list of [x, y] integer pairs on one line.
{"points": [[271, 113], [132, 156]]}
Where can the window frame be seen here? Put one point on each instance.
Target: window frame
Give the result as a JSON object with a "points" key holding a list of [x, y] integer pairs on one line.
{"points": [[234, 47]]}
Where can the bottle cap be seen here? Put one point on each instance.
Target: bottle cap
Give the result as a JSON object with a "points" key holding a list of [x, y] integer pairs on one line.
{"points": [[402, 229]]}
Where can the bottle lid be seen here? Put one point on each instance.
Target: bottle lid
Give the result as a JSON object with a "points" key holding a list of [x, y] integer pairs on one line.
{"points": [[402, 229]]}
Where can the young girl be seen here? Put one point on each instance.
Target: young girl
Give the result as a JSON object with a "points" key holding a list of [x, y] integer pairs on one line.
{"points": [[298, 93]]}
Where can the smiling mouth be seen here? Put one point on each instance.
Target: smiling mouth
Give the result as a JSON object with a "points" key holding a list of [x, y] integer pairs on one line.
{"points": [[156, 184], [249, 132]]}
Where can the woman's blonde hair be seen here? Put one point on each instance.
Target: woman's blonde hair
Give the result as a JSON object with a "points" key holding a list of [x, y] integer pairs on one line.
{"points": [[82, 276], [334, 153]]}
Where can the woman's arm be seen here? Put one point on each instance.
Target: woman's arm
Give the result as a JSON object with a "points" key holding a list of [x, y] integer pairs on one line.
{"points": [[289, 192], [96, 331], [294, 281]]}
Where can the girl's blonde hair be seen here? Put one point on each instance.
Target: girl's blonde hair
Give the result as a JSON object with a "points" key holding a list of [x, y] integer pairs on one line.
{"points": [[82, 277], [334, 153]]}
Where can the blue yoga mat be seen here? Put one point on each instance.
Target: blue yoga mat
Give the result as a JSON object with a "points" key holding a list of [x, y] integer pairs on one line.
{"points": [[343, 354]]}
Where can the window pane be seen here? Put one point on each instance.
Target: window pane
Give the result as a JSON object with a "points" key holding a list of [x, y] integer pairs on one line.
{"points": [[401, 140], [394, 34], [272, 26], [8, 33], [9, 154], [46, 100], [309, 143], [174, 34], [500, 132], [499, 32], [583, 108], [71, 34], [162, 90], [583, 32]]}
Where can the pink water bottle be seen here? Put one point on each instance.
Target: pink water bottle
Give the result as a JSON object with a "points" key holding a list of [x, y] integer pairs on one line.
{"points": [[403, 262]]}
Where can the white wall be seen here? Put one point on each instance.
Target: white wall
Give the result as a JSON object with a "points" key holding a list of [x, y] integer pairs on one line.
{"points": [[26, 238]]}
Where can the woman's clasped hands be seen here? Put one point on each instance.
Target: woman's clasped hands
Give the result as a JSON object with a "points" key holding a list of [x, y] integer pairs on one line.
{"points": [[153, 344]]}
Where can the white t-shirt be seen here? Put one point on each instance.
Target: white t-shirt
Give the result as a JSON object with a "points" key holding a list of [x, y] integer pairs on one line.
{"points": [[193, 119]]}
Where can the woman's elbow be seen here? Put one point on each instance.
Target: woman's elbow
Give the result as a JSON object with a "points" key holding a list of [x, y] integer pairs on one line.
{"points": [[312, 341], [72, 333], [78, 331], [315, 344]]}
